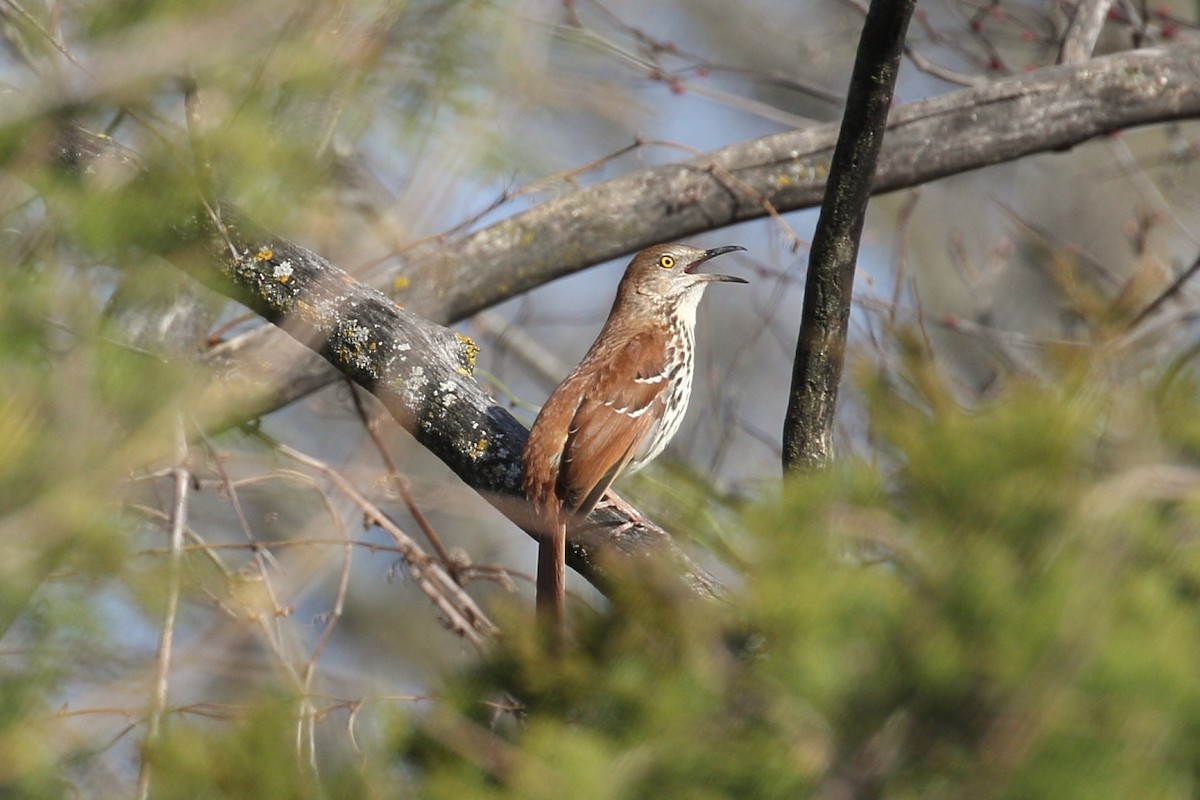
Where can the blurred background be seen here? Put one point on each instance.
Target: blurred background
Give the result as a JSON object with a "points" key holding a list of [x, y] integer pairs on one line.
{"points": [[361, 129]]}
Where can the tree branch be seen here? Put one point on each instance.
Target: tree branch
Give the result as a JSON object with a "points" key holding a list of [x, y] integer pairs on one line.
{"points": [[419, 370], [829, 287], [1048, 110], [1083, 31]]}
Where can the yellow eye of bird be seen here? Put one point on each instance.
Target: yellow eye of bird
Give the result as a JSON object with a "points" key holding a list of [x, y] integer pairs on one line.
{"points": [[666, 262]]}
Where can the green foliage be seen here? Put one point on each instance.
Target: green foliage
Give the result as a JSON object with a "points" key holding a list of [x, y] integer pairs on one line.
{"points": [[118, 16], [99, 333], [1005, 604], [256, 756]]}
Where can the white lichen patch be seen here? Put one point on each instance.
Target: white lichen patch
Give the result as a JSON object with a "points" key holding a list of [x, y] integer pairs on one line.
{"points": [[415, 387], [510, 469], [324, 309], [363, 363], [356, 334], [283, 271]]}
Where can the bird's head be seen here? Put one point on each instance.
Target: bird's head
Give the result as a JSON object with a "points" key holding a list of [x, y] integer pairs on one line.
{"points": [[668, 273]]}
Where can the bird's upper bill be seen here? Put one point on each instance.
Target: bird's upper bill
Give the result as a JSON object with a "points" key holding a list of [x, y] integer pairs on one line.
{"points": [[690, 269]]}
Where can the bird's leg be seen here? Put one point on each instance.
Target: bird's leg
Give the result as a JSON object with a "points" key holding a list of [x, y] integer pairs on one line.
{"points": [[634, 518]]}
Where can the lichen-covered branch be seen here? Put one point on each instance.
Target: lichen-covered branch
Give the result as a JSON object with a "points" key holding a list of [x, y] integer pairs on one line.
{"points": [[419, 370], [1042, 111]]}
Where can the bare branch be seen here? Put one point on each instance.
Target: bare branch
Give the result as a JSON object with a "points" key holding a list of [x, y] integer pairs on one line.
{"points": [[1087, 20], [1047, 110], [401, 486], [1170, 291], [162, 668], [463, 615], [833, 257], [1042, 111], [420, 371]]}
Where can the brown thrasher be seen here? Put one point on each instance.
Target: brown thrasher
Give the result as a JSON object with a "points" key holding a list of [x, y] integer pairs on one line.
{"points": [[618, 409]]}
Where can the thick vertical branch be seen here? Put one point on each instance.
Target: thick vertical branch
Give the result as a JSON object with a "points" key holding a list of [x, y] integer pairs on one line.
{"points": [[821, 346]]}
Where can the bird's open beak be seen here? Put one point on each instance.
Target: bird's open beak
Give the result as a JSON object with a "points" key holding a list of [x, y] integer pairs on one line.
{"points": [[713, 253]]}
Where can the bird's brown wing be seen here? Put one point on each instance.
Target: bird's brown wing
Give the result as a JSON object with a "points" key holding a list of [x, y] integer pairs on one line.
{"points": [[621, 406]]}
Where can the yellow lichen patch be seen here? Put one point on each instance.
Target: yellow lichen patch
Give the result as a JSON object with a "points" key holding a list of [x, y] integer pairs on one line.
{"points": [[400, 283], [782, 181], [469, 350], [479, 448], [264, 254]]}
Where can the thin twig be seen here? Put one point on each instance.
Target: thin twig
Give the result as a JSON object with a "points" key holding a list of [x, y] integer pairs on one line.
{"points": [[308, 715], [162, 670], [1167, 293], [923, 63], [260, 557], [567, 176], [54, 41], [733, 182], [463, 614], [400, 484]]}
